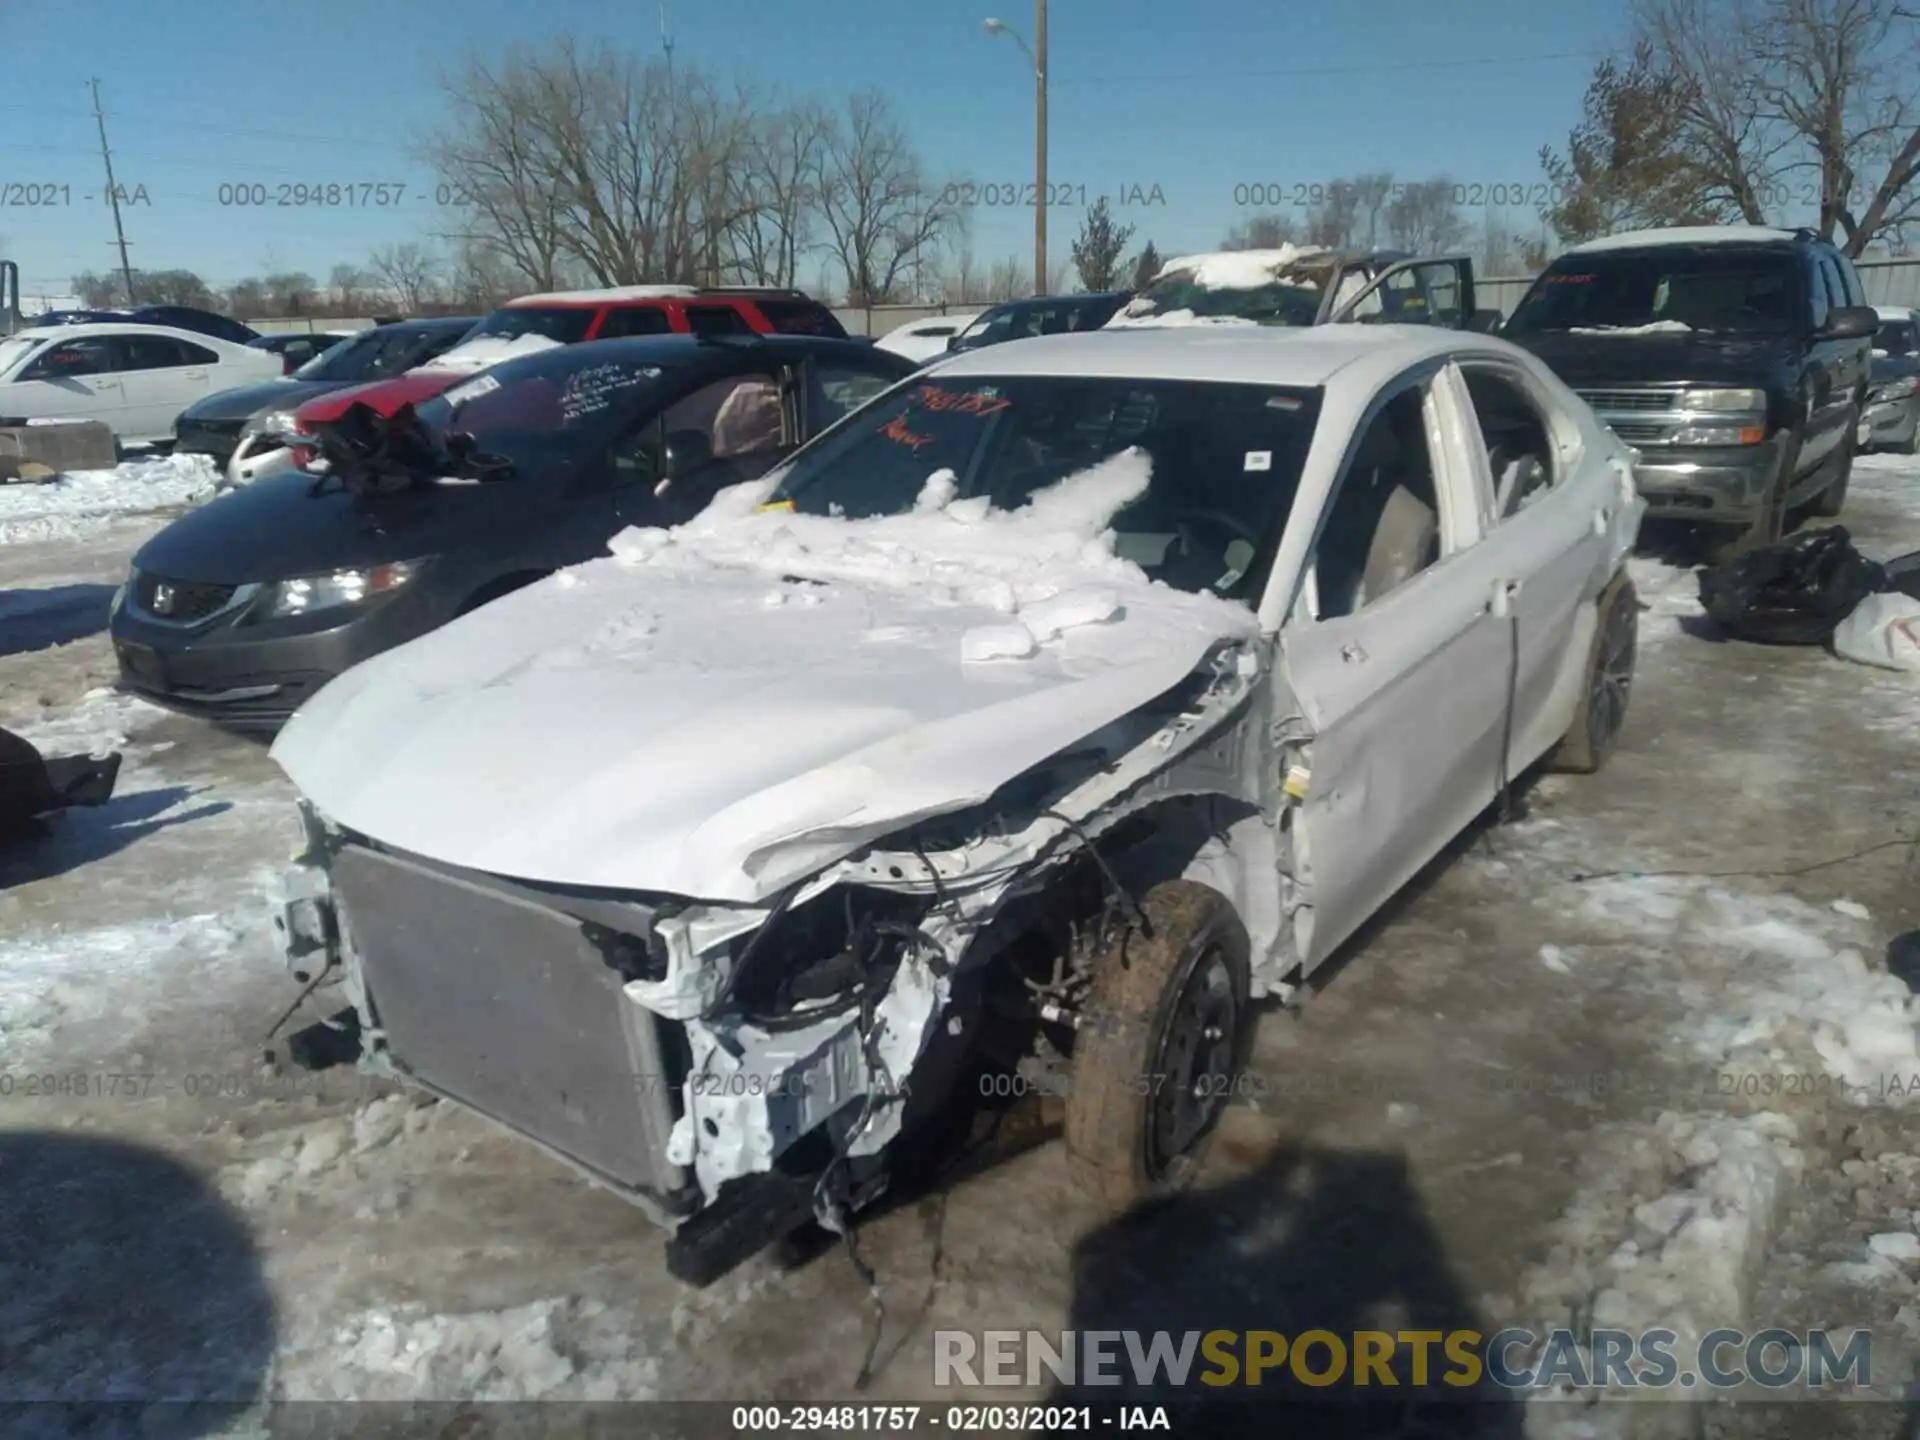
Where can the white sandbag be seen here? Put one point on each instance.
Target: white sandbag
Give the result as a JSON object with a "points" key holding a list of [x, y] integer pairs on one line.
{"points": [[1883, 630]]}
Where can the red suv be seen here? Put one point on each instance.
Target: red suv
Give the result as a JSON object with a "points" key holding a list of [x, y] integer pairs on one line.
{"points": [[567, 317]]}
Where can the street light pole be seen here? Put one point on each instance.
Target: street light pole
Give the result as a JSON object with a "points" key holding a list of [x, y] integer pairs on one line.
{"points": [[1038, 57]]}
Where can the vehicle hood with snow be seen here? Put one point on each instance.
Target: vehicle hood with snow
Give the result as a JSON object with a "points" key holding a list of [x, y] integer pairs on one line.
{"points": [[1040, 716]]}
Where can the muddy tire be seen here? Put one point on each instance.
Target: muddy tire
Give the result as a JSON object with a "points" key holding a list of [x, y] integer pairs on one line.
{"points": [[1771, 523], [1162, 1041], [1830, 501], [1609, 683]]}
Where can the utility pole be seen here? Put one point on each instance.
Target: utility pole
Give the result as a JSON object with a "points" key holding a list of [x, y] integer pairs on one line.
{"points": [[666, 39], [1040, 147], [113, 195]]}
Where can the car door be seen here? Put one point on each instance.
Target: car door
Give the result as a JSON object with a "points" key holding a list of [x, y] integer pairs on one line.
{"points": [[73, 379], [1548, 512], [163, 376], [1830, 376], [1392, 664], [1434, 291]]}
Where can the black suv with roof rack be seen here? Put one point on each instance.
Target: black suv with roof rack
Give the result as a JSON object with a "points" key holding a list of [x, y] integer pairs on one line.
{"points": [[1735, 360]]}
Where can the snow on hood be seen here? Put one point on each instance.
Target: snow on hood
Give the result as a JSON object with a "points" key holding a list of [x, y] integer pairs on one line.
{"points": [[725, 708], [486, 351], [1652, 327]]}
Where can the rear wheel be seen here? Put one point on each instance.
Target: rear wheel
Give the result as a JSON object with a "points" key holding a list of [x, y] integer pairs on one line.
{"points": [[1163, 1037], [1609, 683]]}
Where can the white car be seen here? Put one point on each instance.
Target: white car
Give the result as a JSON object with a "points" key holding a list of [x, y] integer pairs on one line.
{"points": [[923, 340], [133, 378], [1052, 708]]}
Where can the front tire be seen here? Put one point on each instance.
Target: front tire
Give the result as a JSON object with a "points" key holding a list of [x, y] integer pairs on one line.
{"points": [[1609, 683], [1163, 1038], [1834, 498]]}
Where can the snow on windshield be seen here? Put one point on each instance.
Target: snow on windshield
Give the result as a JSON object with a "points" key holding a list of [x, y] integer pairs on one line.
{"points": [[485, 351], [1276, 286]]}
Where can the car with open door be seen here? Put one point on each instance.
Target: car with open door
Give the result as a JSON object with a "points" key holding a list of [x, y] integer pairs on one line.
{"points": [[1035, 720], [242, 608], [1306, 285]]}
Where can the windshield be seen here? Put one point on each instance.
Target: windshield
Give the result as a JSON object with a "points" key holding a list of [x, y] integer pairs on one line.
{"points": [[1895, 337], [1226, 461], [1716, 289], [567, 324], [561, 405], [14, 349], [1290, 297], [350, 359]]}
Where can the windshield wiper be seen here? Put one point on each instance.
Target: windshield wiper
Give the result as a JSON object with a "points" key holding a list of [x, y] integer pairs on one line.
{"points": [[375, 454]]}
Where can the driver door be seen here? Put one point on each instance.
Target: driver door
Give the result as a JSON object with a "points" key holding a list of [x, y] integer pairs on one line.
{"points": [[1436, 291], [73, 379], [1394, 665], [724, 433]]}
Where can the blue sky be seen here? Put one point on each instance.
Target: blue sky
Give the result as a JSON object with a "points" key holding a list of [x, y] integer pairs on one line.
{"points": [[1196, 98]]}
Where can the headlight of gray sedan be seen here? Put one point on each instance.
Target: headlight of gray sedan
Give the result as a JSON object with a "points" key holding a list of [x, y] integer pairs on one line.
{"points": [[268, 424], [307, 593]]}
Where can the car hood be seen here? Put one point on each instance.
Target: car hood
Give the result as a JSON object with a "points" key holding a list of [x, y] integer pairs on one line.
{"points": [[278, 527], [722, 710], [250, 400], [1651, 357]]}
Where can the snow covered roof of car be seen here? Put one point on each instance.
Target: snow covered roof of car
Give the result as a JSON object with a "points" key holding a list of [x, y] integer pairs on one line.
{"points": [[604, 297], [1241, 269], [1685, 235], [1246, 354]]}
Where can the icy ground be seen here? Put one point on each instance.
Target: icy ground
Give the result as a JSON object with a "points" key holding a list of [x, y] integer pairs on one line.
{"points": [[1557, 1082], [74, 504]]}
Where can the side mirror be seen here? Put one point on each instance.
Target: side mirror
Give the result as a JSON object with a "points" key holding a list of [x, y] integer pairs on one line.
{"points": [[1485, 321], [1850, 322], [685, 452]]}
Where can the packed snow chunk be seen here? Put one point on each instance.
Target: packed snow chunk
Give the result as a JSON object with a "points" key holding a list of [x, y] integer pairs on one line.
{"points": [[1088, 605], [939, 491], [1240, 269], [1555, 959], [997, 642], [74, 504], [1900, 1245], [1852, 909]]}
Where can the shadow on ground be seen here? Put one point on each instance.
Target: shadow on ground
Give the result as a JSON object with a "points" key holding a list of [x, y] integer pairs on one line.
{"points": [[124, 1280], [1313, 1239], [69, 839], [40, 619]]}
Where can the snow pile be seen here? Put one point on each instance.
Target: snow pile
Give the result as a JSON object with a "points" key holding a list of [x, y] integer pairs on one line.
{"points": [[1794, 994], [1669, 593], [71, 505], [559, 1349], [103, 721], [1050, 565], [1240, 269], [486, 351], [1667, 1227]]}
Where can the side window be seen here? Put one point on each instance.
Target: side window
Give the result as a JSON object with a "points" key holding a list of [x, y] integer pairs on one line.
{"points": [[1383, 526], [715, 320], [151, 352], [739, 415], [1836, 282], [1856, 292], [72, 360], [1817, 289], [1519, 444], [837, 389], [621, 324], [200, 355]]}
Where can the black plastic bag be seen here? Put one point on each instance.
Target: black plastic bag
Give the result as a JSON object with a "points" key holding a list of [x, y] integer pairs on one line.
{"points": [[32, 785], [1794, 592]]}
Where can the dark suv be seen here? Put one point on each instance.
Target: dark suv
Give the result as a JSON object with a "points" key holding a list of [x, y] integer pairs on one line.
{"points": [[1735, 359]]}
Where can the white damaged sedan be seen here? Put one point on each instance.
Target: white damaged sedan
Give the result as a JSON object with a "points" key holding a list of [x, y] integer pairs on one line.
{"points": [[1031, 723]]}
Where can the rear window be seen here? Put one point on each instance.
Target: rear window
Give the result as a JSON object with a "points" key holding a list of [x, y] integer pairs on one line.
{"points": [[565, 324], [801, 317]]}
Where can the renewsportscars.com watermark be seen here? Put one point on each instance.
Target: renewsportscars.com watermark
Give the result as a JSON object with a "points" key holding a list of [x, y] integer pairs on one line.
{"points": [[1512, 1359]]}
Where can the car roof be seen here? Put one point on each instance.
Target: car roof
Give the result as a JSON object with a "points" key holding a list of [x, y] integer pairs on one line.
{"points": [[1248, 354], [719, 351], [613, 296], [1687, 235], [136, 328]]}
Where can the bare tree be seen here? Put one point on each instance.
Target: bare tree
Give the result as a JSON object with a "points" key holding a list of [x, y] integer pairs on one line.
{"points": [[1334, 221], [1007, 280], [1372, 195], [1423, 216], [1262, 232], [97, 291], [347, 287], [409, 275], [291, 292], [779, 221], [877, 207]]}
